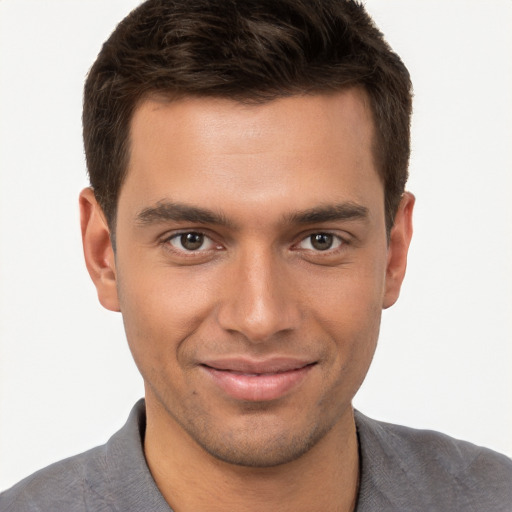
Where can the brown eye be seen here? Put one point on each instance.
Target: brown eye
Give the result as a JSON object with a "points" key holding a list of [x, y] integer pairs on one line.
{"points": [[191, 241], [321, 241]]}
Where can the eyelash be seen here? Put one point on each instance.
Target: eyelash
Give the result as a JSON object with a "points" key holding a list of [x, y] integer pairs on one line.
{"points": [[339, 242], [190, 252]]}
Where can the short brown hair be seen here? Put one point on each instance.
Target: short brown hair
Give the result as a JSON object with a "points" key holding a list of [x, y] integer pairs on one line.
{"points": [[249, 51]]}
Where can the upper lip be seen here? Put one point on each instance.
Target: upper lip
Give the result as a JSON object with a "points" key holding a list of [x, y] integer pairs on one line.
{"points": [[257, 366]]}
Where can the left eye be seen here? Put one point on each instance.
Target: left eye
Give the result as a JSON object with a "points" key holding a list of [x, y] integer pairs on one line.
{"points": [[321, 242], [191, 242]]}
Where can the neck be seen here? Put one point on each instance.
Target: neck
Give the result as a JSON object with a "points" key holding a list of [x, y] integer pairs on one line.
{"points": [[325, 478]]}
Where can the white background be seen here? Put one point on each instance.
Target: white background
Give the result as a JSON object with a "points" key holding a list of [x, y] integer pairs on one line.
{"points": [[444, 361]]}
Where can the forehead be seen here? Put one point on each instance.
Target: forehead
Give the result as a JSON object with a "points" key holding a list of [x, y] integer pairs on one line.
{"points": [[340, 113], [303, 149]]}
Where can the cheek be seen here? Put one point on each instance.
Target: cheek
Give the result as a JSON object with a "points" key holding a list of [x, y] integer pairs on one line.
{"points": [[161, 308], [354, 327], [352, 295], [349, 310]]}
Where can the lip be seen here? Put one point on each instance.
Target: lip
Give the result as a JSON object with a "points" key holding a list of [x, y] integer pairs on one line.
{"points": [[258, 381]]}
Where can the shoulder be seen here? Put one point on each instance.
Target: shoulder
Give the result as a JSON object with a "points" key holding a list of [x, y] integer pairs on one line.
{"points": [[62, 486], [407, 467], [111, 477]]}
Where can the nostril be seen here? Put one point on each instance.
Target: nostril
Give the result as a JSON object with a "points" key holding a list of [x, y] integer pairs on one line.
{"points": [[258, 300]]}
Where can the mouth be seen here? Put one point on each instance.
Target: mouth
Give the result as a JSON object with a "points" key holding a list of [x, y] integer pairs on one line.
{"points": [[258, 381]]}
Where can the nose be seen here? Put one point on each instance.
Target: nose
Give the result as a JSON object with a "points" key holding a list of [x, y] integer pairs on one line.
{"points": [[259, 301]]}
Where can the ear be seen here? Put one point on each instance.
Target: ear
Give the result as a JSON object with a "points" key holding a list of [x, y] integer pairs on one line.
{"points": [[400, 238], [98, 251]]}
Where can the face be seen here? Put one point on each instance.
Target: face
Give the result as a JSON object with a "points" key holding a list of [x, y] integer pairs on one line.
{"points": [[251, 268]]}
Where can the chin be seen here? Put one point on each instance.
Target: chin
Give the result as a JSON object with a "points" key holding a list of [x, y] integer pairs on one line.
{"points": [[259, 444]]}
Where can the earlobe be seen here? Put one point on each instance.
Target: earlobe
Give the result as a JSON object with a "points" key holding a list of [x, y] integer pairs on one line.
{"points": [[400, 239], [98, 251]]}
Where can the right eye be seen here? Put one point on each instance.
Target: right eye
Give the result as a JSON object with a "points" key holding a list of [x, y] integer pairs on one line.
{"points": [[191, 241]]}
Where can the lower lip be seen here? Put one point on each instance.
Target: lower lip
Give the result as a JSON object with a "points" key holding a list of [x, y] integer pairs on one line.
{"points": [[260, 387]]}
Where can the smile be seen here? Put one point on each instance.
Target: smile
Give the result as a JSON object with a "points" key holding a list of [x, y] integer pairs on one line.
{"points": [[258, 381]]}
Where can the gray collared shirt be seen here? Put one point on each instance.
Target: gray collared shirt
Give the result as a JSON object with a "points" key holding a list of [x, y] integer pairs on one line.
{"points": [[402, 469]]}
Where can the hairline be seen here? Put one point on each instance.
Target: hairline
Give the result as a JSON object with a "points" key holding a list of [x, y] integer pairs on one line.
{"points": [[253, 98]]}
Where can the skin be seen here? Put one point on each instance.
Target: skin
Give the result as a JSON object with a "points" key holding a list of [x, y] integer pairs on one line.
{"points": [[266, 178]]}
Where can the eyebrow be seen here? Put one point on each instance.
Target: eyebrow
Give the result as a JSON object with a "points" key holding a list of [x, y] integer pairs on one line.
{"points": [[165, 211], [341, 211]]}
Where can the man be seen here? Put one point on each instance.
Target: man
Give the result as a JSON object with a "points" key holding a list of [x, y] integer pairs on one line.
{"points": [[248, 218]]}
